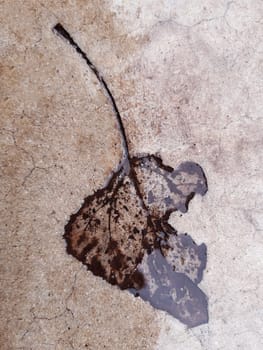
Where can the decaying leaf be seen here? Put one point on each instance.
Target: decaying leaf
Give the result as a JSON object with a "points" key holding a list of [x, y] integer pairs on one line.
{"points": [[121, 232]]}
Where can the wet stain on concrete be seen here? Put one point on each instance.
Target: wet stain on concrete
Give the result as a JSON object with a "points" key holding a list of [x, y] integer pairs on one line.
{"points": [[121, 232]]}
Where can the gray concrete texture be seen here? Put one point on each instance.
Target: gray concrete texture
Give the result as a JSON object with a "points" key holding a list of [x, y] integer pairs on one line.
{"points": [[187, 77]]}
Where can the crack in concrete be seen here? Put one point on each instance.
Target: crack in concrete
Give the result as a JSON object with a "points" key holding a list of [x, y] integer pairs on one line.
{"points": [[67, 309], [30, 156], [201, 21]]}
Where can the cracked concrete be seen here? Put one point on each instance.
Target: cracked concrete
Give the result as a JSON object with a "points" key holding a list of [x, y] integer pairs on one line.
{"points": [[187, 77]]}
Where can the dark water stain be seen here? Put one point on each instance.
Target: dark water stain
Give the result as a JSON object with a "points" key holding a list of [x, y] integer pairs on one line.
{"points": [[121, 232]]}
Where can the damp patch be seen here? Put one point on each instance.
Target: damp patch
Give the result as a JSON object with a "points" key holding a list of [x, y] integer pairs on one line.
{"points": [[121, 232]]}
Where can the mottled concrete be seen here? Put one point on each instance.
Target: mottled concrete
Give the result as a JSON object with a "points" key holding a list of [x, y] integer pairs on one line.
{"points": [[187, 77]]}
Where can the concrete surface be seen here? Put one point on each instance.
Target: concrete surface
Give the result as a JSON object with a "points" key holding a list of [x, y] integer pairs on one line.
{"points": [[187, 77]]}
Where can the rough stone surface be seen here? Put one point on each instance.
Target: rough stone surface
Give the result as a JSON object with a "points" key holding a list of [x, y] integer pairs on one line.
{"points": [[187, 77]]}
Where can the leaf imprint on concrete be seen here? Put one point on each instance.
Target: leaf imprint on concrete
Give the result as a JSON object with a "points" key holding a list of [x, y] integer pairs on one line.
{"points": [[121, 232]]}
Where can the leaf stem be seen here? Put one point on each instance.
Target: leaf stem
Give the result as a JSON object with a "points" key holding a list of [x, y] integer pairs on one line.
{"points": [[126, 163], [60, 30]]}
